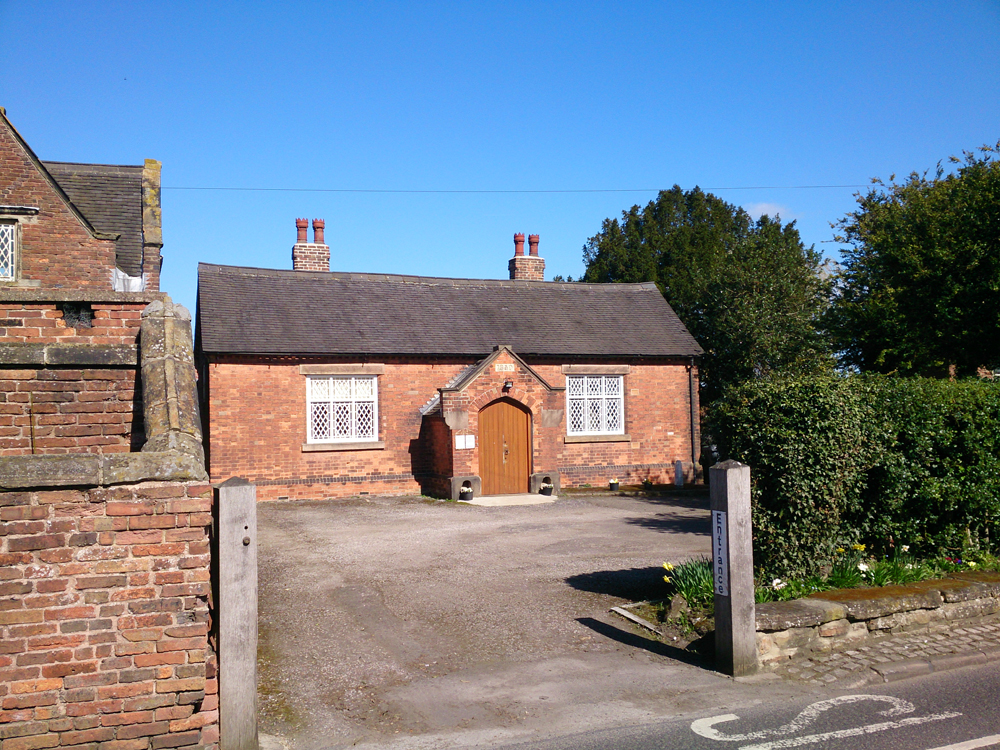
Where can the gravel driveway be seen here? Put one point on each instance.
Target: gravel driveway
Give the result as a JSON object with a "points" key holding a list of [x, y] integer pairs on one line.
{"points": [[444, 625]]}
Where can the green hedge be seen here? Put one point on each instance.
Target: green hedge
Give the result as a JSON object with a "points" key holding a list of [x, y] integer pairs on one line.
{"points": [[868, 460]]}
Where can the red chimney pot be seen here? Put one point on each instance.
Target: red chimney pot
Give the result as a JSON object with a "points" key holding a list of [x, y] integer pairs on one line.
{"points": [[318, 227], [533, 244], [519, 243], [301, 227]]}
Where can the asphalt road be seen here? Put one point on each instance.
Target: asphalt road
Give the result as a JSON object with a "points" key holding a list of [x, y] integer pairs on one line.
{"points": [[955, 710], [423, 624]]}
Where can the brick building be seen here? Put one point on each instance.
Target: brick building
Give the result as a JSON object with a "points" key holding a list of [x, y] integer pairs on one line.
{"points": [[319, 384], [104, 507], [79, 261]]}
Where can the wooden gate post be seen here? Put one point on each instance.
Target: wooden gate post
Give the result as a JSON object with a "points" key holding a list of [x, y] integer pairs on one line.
{"points": [[732, 569], [236, 501]]}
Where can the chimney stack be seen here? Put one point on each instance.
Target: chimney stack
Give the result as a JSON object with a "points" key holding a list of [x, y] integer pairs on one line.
{"points": [[526, 267], [310, 256]]}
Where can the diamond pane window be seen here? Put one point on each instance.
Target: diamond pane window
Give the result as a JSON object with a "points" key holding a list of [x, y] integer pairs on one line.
{"points": [[342, 409], [320, 388], [8, 251], [577, 423], [319, 422], [595, 405]]}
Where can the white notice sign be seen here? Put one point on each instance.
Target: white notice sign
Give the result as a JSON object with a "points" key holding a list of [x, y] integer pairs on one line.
{"points": [[720, 554]]}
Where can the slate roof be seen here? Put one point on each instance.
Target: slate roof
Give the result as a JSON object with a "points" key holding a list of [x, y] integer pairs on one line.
{"points": [[258, 311], [110, 197]]}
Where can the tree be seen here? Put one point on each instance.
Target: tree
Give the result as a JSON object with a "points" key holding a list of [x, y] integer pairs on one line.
{"points": [[919, 290], [750, 292]]}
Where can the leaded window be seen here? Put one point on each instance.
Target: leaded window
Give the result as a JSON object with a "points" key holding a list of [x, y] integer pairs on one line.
{"points": [[595, 405], [342, 409], [8, 252]]}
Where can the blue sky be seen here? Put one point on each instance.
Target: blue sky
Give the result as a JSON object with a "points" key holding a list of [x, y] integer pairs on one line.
{"points": [[475, 96]]}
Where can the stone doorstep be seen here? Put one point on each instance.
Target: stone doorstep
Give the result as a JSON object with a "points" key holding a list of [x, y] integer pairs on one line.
{"points": [[504, 500]]}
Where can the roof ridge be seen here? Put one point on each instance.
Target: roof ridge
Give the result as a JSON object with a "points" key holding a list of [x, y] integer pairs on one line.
{"points": [[415, 279]]}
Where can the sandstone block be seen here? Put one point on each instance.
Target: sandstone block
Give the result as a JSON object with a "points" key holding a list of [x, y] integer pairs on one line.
{"points": [[866, 604]]}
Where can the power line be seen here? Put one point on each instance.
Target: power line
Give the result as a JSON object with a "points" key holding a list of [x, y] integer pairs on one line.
{"points": [[495, 192]]}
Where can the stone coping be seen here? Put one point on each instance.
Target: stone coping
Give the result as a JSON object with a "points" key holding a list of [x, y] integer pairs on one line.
{"points": [[93, 470], [9, 294], [69, 355], [869, 603]]}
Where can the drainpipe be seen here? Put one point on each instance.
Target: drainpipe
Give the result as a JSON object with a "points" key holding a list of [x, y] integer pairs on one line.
{"points": [[692, 391]]}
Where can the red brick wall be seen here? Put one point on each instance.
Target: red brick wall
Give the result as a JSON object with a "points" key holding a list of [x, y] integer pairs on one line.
{"points": [[42, 323], [657, 418], [256, 419], [152, 261], [257, 426], [104, 619], [56, 248], [68, 411]]}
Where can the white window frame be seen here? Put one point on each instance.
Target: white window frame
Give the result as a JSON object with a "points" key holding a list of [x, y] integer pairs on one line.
{"points": [[9, 250], [327, 396], [597, 396]]}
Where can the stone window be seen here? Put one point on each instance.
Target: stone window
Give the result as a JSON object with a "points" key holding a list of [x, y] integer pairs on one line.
{"points": [[595, 405], [342, 409], [8, 251]]}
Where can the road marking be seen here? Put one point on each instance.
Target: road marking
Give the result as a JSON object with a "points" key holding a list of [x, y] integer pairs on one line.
{"points": [[971, 744], [897, 706]]}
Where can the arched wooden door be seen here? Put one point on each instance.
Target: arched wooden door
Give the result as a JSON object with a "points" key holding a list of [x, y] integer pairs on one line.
{"points": [[504, 448]]}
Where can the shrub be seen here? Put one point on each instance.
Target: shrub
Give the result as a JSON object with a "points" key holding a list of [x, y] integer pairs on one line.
{"points": [[860, 459]]}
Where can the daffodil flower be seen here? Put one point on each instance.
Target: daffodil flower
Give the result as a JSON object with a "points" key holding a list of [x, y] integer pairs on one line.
{"points": [[666, 579], [668, 566], [858, 547]]}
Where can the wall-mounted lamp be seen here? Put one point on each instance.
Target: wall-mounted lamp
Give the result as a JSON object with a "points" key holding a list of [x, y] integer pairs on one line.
{"points": [[507, 385]]}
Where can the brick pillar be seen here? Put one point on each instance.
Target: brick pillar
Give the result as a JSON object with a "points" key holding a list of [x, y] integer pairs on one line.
{"points": [[310, 256], [526, 267]]}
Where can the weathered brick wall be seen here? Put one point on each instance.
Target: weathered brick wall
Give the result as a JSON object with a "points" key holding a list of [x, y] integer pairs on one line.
{"points": [[256, 417], [61, 410], [104, 619], [54, 408], [43, 323], [56, 248]]}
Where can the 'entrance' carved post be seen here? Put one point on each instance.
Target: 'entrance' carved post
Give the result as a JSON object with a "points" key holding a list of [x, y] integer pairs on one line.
{"points": [[236, 504], [732, 569]]}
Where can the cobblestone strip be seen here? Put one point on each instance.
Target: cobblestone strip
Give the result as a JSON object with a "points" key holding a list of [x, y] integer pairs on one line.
{"points": [[895, 657]]}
